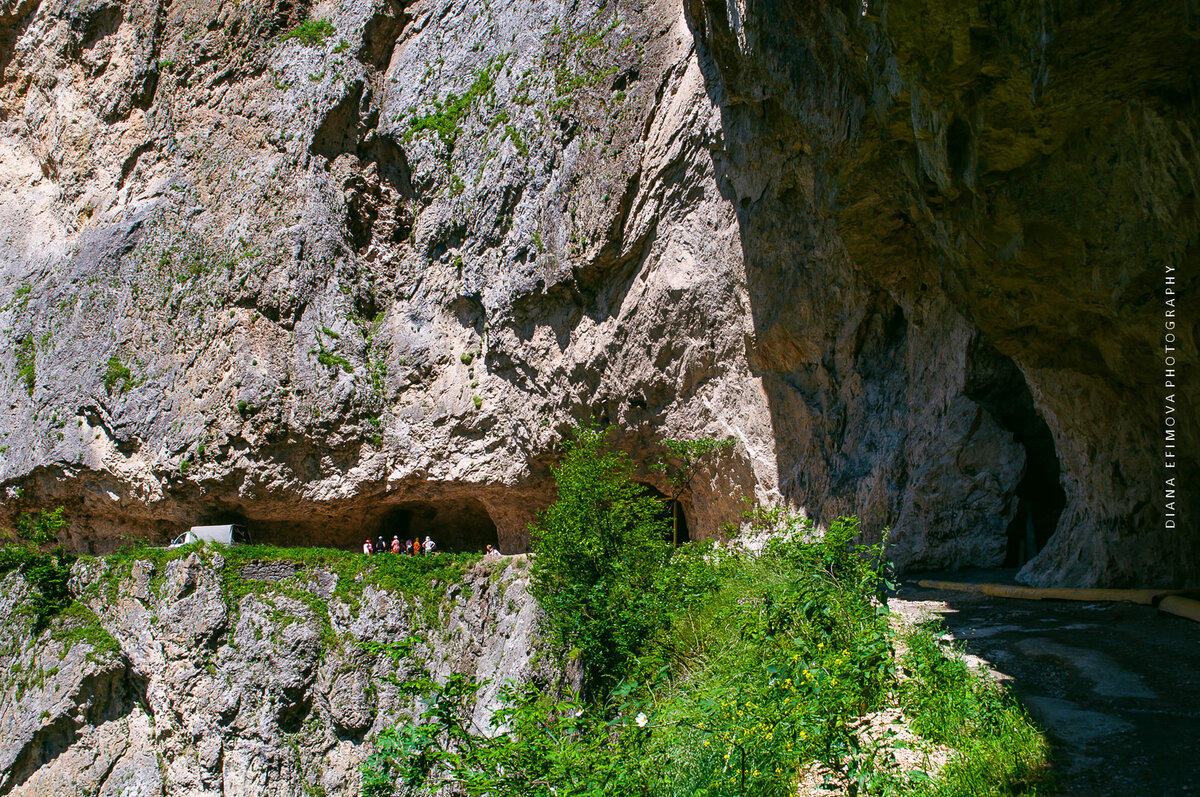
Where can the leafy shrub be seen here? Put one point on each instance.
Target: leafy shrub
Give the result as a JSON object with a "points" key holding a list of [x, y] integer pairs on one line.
{"points": [[598, 550], [13, 556], [538, 747], [310, 32], [48, 575], [116, 372], [42, 527]]}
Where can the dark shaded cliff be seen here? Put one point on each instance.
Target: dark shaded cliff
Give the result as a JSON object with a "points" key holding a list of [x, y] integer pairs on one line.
{"points": [[992, 197]]}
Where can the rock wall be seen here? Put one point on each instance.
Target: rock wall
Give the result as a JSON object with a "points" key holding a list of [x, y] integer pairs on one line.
{"points": [[909, 254], [158, 684], [300, 284], [998, 197]]}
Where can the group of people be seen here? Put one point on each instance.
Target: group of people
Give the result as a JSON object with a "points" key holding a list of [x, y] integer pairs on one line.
{"points": [[412, 547]]}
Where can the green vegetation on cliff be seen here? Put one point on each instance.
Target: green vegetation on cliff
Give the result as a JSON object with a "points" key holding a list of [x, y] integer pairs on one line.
{"points": [[26, 363], [46, 573], [310, 32], [54, 604], [422, 579]]}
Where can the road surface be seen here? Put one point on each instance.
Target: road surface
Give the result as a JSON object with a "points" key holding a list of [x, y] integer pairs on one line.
{"points": [[1115, 685]]}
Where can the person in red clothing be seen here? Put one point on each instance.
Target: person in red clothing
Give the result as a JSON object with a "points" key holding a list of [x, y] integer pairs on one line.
{"points": [[367, 547], [395, 545]]}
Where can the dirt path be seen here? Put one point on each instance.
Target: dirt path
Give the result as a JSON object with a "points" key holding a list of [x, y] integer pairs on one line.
{"points": [[1117, 686]]}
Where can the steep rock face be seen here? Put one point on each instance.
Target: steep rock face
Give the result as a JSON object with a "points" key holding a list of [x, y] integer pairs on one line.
{"points": [[1003, 193], [909, 255], [160, 686], [313, 285]]}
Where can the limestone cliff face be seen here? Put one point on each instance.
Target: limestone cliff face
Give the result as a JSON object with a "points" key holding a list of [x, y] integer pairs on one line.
{"points": [[1001, 195], [156, 683], [362, 273], [375, 273]]}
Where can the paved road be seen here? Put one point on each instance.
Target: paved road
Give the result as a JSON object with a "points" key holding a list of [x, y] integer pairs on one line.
{"points": [[1116, 686]]}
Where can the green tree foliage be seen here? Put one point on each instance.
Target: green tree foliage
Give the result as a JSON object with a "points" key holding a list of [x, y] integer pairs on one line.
{"points": [[598, 552], [46, 573]]}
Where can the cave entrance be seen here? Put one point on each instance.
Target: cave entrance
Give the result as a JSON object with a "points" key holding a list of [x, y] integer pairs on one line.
{"points": [[678, 518], [996, 384], [455, 524], [677, 525]]}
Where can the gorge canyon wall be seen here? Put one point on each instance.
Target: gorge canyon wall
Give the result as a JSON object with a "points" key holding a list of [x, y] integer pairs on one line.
{"points": [[324, 267]]}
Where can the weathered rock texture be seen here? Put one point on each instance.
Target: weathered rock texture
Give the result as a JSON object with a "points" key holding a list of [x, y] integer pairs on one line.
{"points": [[172, 690], [910, 254], [996, 196]]}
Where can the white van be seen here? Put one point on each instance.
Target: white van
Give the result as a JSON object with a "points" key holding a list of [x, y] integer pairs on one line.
{"points": [[230, 534]]}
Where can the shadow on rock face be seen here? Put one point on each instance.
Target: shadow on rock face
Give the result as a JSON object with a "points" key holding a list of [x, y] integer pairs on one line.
{"points": [[891, 213]]}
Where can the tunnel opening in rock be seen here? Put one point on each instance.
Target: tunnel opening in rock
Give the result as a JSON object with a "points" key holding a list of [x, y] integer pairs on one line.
{"points": [[997, 384], [221, 517], [676, 517], [456, 525]]}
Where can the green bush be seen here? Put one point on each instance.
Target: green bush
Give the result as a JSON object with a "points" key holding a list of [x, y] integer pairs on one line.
{"points": [[41, 528], [13, 555], [117, 373], [47, 575], [598, 551], [310, 32]]}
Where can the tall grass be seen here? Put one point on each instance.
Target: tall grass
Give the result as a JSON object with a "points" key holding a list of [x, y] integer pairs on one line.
{"points": [[998, 750]]}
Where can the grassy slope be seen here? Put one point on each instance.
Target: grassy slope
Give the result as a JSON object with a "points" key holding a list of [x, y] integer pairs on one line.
{"points": [[761, 679], [772, 673]]}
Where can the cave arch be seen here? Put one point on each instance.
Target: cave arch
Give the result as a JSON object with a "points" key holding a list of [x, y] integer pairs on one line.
{"points": [[997, 384], [455, 524]]}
